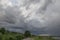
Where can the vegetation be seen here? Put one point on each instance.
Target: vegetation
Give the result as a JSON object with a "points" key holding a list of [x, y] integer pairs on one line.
{"points": [[27, 34], [6, 35]]}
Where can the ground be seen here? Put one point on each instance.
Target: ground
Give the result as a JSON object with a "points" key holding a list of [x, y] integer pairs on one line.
{"points": [[37, 38]]}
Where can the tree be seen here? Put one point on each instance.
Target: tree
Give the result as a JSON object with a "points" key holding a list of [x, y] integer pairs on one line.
{"points": [[27, 34], [2, 30]]}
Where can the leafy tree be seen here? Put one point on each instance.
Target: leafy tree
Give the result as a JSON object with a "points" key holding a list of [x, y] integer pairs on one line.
{"points": [[27, 34], [2, 30]]}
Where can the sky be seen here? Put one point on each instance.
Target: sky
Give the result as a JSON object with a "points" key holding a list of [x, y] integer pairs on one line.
{"points": [[37, 16]]}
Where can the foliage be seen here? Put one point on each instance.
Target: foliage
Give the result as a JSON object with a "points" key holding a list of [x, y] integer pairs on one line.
{"points": [[27, 34], [7, 35], [2, 30]]}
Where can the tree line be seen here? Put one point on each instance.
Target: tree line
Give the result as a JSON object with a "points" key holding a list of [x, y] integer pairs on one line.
{"points": [[7, 35]]}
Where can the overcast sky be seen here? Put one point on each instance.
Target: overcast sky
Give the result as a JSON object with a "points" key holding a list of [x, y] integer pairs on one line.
{"points": [[39, 16]]}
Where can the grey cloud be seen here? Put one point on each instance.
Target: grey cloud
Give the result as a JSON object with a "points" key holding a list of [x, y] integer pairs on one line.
{"points": [[1, 8], [29, 2], [46, 4], [53, 27], [44, 7], [14, 19], [12, 15], [9, 19]]}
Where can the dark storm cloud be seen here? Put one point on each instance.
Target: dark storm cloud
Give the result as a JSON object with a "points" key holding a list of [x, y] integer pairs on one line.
{"points": [[11, 15], [8, 17], [54, 27]]}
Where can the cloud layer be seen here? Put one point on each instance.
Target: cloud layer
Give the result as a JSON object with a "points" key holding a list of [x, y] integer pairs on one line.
{"points": [[33, 15]]}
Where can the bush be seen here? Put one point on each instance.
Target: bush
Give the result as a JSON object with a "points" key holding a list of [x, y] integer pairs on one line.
{"points": [[11, 38], [19, 37]]}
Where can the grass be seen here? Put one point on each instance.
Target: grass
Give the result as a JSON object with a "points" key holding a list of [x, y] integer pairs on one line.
{"points": [[42, 38]]}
